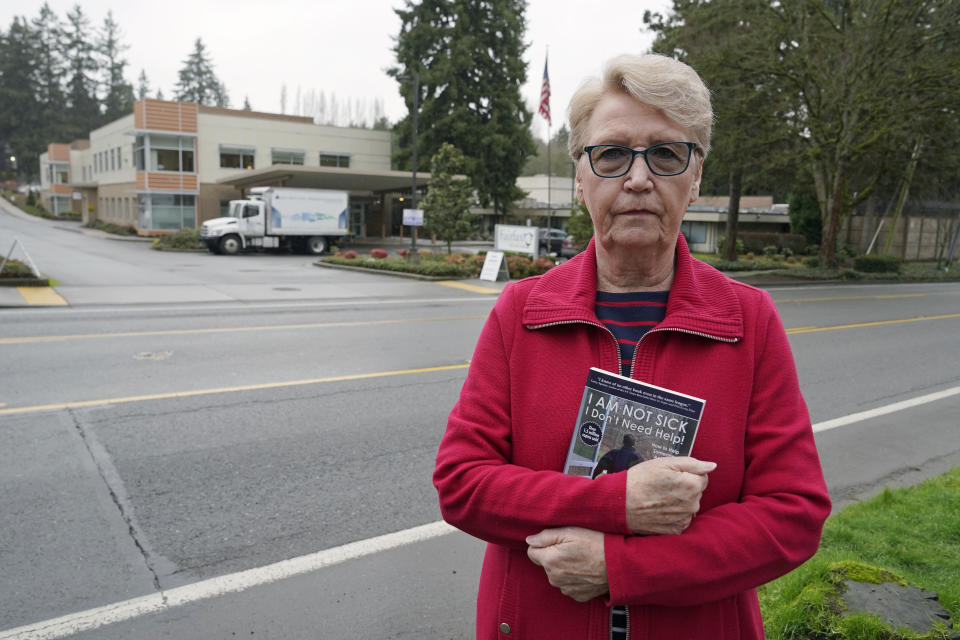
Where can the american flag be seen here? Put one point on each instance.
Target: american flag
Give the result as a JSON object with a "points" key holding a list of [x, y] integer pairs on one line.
{"points": [[545, 95]]}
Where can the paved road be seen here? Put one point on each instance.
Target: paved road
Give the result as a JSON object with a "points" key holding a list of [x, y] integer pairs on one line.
{"points": [[176, 445]]}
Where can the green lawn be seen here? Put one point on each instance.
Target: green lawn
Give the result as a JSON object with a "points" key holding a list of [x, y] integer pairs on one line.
{"points": [[911, 536]]}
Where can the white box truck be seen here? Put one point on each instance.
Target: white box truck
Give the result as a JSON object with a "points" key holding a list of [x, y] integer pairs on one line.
{"points": [[304, 220]]}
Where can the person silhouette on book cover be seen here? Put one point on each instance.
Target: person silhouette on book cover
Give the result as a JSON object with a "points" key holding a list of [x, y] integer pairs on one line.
{"points": [[619, 459]]}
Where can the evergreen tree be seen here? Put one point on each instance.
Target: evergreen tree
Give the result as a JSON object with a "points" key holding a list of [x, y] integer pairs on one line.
{"points": [[560, 163], [246, 104], [82, 70], [468, 56], [19, 108], [49, 74], [119, 99], [446, 207], [198, 82], [143, 85]]}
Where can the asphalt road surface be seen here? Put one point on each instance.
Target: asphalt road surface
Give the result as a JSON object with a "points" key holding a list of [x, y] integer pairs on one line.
{"points": [[191, 453]]}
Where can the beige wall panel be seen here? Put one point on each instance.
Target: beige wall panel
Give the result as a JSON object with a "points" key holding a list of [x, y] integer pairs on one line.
{"points": [[368, 149], [208, 202], [118, 136]]}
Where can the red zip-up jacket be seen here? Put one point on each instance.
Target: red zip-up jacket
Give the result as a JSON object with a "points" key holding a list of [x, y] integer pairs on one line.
{"points": [[498, 467]]}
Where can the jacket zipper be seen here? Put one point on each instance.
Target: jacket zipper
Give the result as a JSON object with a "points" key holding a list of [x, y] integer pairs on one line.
{"points": [[633, 366]]}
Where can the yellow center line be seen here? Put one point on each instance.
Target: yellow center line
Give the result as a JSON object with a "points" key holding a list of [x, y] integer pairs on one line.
{"points": [[203, 392], [876, 323], [279, 327], [891, 296]]}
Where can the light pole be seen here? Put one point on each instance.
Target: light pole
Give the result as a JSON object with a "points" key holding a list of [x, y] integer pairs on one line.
{"points": [[414, 256]]}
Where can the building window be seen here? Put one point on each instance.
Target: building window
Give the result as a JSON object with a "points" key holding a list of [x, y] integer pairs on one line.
{"points": [[167, 212], [59, 174], [286, 156], [165, 153], [694, 232], [334, 160], [236, 157]]}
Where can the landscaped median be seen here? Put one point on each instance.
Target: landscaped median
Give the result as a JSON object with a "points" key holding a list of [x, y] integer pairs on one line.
{"points": [[887, 549], [434, 265], [17, 274]]}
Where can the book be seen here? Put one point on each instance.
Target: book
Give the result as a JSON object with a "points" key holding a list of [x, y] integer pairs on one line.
{"points": [[623, 422]]}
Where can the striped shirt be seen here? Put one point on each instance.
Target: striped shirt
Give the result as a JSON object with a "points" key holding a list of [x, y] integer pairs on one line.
{"points": [[628, 316]]}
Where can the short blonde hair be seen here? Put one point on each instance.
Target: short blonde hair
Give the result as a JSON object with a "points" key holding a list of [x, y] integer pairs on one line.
{"points": [[661, 82]]}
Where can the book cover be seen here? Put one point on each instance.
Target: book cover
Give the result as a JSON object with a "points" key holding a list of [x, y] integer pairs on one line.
{"points": [[623, 422]]}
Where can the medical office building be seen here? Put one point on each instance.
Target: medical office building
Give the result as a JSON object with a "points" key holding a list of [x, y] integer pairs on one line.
{"points": [[171, 165]]}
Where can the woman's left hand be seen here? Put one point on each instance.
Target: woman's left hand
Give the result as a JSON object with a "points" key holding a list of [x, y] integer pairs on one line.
{"points": [[573, 559]]}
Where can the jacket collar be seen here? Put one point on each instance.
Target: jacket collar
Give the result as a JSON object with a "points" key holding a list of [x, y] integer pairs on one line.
{"points": [[702, 300]]}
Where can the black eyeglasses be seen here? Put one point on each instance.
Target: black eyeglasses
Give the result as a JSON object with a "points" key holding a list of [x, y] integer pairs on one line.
{"points": [[664, 159]]}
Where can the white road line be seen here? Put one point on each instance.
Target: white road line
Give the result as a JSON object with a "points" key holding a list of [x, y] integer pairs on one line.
{"points": [[235, 582], [165, 600], [882, 411]]}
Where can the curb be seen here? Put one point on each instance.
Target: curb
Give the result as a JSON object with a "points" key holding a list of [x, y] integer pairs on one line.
{"points": [[386, 272], [24, 282]]}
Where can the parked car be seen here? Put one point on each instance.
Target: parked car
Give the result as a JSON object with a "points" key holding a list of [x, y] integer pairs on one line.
{"points": [[569, 247], [550, 240]]}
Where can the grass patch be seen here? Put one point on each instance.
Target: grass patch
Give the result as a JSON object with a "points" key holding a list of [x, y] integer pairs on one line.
{"points": [[15, 269], [908, 536]]}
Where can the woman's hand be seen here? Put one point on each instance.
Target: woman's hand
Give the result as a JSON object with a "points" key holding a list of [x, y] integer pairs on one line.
{"points": [[573, 559], [663, 494]]}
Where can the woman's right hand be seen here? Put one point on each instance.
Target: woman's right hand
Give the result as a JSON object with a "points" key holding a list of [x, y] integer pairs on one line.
{"points": [[663, 494]]}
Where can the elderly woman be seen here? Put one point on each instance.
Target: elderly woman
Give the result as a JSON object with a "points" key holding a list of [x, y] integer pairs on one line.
{"points": [[623, 555]]}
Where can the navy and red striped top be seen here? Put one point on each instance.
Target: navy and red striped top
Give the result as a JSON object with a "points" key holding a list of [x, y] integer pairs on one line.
{"points": [[629, 316]]}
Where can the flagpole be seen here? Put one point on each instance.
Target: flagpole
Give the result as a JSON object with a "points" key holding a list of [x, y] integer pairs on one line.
{"points": [[549, 171], [544, 110]]}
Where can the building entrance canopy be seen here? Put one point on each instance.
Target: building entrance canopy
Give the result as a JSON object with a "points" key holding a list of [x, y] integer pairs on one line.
{"points": [[352, 180]]}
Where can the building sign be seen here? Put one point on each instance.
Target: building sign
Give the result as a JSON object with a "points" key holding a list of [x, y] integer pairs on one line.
{"points": [[515, 238], [413, 217]]}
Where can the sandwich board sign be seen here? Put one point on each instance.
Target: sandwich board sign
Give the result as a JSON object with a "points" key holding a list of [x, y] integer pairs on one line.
{"points": [[494, 267]]}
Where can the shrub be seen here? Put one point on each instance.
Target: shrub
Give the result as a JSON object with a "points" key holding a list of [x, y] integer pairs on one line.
{"points": [[769, 250], [757, 241], [811, 262], [403, 253], [350, 255], [31, 198], [379, 254], [877, 264], [182, 239], [722, 240], [750, 255], [786, 251], [812, 249]]}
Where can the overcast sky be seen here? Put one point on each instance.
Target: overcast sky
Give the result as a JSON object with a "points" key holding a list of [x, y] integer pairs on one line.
{"points": [[343, 47]]}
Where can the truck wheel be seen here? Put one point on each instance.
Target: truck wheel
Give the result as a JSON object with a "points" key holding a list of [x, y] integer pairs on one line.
{"points": [[316, 245], [230, 245]]}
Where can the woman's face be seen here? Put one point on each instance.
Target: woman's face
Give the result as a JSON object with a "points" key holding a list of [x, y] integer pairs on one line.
{"points": [[639, 210]]}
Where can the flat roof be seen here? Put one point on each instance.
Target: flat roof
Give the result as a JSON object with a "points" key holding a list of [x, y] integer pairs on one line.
{"points": [[325, 178]]}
